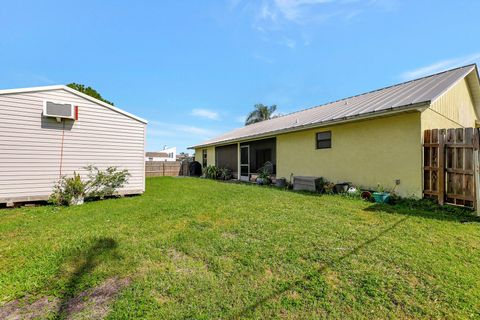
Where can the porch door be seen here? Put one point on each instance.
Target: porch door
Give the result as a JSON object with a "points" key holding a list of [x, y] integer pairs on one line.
{"points": [[244, 163]]}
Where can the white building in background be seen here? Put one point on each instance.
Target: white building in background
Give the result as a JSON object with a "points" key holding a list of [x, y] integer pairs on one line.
{"points": [[167, 154]]}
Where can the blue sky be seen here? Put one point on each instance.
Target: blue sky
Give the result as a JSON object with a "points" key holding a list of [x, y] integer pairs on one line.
{"points": [[194, 69]]}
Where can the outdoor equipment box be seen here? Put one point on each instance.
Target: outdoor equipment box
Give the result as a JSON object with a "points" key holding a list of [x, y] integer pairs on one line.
{"points": [[305, 183]]}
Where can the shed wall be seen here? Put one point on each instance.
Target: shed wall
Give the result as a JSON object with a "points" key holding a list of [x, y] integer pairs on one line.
{"points": [[30, 144]]}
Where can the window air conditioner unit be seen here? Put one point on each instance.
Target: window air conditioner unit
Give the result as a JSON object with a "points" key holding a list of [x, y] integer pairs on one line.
{"points": [[60, 110]]}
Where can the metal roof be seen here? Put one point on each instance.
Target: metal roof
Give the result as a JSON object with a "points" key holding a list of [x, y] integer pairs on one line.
{"points": [[397, 98], [78, 93]]}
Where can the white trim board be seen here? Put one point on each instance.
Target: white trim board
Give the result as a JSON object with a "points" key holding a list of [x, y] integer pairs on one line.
{"points": [[73, 91]]}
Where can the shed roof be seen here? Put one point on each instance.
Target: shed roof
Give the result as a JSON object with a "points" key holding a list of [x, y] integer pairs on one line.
{"points": [[66, 88], [397, 98]]}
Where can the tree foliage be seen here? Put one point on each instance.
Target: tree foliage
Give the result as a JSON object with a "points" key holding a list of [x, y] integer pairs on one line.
{"points": [[261, 113], [88, 91]]}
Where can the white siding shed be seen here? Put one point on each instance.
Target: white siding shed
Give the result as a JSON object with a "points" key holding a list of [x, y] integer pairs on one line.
{"points": [[35, 150]]}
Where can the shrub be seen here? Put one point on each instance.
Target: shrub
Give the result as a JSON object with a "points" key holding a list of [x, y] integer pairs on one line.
{"points": [[68, 190], [210, 172], [101, 184], [265, 176], [224, 174]]}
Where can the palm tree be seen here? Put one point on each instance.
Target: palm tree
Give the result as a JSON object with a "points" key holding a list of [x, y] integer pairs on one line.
{"points": [[261, 113]]}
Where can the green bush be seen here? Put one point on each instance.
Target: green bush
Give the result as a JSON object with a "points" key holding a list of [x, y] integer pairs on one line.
{"points": [[99, 184], [224, 174], [264, 174], [210, 172], [67, 190]]}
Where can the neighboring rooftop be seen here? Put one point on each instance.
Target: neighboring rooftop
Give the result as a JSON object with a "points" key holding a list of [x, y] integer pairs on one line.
{"points": [[396, 98], [156, 154]]}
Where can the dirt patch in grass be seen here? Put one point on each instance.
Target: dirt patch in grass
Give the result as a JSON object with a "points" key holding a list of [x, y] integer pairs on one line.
{"points": [[93, 303], [25, 309]]}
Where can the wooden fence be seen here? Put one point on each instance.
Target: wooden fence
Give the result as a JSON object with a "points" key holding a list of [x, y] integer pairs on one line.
{"points": [[166, 168], [451, 166]]}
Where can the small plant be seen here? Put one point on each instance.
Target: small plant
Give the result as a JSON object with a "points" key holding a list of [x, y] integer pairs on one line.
{"points": [[320, 184], [224, 174], [381, 196], [353, 192], [68, 191], [325, 186], [328, 187], [264, 176], [210, 172], [380, 188], [104, 183]]}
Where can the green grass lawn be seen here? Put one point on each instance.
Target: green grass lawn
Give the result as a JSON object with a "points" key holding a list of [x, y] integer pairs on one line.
{"points": [[201, 249]]}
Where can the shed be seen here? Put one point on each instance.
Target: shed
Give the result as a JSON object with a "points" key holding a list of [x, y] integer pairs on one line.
{"points": [[36, 147]]}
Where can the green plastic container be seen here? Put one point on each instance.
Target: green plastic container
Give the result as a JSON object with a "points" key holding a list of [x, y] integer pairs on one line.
{"points": [[381, 197]]}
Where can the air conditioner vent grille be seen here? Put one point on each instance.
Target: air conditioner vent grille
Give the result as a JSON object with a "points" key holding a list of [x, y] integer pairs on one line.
{"points": [[63, 110], [60, 110]]}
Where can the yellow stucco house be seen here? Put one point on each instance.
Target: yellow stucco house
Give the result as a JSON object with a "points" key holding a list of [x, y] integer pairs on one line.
{"points": [[369, 139]]}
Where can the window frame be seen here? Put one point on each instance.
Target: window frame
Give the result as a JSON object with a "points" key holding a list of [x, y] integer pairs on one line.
{"points": [[204, 158], [317, 140]]}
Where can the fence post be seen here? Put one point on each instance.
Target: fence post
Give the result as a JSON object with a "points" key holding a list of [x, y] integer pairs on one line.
{"points": [[441, 167], [476, 170]]}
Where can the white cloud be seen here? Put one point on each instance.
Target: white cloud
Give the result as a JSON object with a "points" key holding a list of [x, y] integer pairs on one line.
{"points": [[307, 11], [274, 20], [288, 42], [262, 58], [34, 78], [295, 10], [205, 113], [440, 66], [265, 12], [43, 79], [233, 3], [165, 129]]}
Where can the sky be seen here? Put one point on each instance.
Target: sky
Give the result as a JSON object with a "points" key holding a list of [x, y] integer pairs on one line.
{"points": [[195, 69]]}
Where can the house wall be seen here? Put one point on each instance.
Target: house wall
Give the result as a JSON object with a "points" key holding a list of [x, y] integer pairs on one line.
{"points": [[366, 153], [454, 109], [31, 145], [210, 155]]}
